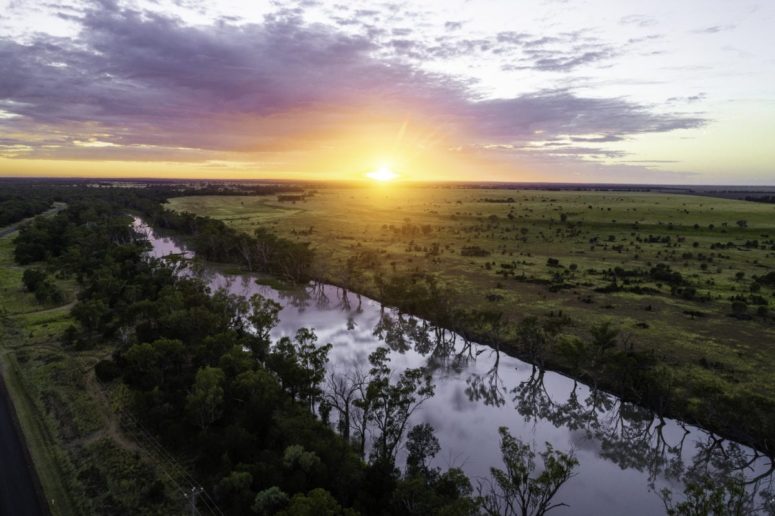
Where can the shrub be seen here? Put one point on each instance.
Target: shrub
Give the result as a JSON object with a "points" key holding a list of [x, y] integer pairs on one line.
{"points": [[474, 250], [740, 309], [107, 370]]}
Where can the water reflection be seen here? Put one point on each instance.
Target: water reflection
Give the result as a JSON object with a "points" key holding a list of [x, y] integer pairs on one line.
{"points": [[628, 435], [628, 454]]}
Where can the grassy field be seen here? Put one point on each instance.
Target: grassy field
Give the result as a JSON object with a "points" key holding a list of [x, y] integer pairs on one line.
{"points": [[86, 463], [543, 252]]}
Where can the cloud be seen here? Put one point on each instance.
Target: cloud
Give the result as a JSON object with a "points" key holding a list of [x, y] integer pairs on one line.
{"points": [[638, 20], [554, 61], [690, 99], [597, 139], [147, 85], [562, 112], [562, 52], [714, 29]]}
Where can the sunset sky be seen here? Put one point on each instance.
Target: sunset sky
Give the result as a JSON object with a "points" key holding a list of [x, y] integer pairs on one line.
{"points": [[477, 90]]}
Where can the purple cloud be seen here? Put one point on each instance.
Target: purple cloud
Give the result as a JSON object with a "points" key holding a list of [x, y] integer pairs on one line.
{"points": [[145, 82]]}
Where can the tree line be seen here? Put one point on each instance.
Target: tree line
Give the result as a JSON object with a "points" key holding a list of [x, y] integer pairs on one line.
{"points": [[213, 240]]}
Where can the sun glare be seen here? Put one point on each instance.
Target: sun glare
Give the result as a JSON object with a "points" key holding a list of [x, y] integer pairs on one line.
{"points": [[382, 174]]}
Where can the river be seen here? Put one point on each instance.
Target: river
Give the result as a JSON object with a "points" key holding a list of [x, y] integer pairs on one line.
{"points": [[627, 454]]}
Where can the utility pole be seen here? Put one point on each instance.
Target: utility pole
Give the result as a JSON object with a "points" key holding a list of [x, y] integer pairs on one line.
{"points": [[195, 491]]}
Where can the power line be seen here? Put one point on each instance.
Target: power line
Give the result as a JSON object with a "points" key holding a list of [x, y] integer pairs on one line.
{"points": [[195, 491], [167, 462], [164, 456]]}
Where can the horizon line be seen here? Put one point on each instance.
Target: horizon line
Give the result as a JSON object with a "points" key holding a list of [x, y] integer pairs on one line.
{"points": [[368, 181]]}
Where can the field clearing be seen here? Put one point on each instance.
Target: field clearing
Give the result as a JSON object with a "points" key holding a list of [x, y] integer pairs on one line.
{"points": [[541, 253]]}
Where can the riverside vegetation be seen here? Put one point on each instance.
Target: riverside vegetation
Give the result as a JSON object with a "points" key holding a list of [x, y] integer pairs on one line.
{"points": [[245, 415], [664, 299], [194, 372]]}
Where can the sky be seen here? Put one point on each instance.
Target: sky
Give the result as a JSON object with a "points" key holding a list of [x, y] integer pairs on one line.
{"points": [[658, 91]]}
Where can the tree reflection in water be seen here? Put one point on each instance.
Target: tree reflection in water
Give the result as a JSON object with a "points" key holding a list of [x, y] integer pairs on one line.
{"points": [[625, 433], [709, 468]]}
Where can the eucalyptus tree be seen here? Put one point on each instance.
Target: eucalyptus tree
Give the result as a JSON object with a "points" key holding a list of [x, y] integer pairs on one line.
{"points": [[519, 490], [300, 366], [387, 403], [263, 316], [341, 393]]}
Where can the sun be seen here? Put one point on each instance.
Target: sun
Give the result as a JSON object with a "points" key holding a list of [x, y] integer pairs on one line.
{"points": [[383, 174]]}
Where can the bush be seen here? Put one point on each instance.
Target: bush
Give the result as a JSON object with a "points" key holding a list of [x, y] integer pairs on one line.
{"points": [[70, 336], [48, 293], [740, 310], [474, 250], [32, 279], [107, 370], [37, 282]]}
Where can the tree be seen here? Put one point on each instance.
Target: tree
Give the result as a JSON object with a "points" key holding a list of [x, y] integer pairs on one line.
{"points": [[259, 394], [341, 393], [446, 494], [91, 314], [205, 400], [142, 366], [300, 365], [708, 496], [47, 292], [263, 317], [235, 490], [393, 403], [532, 340], [32, 278], [296, 457], [518, 490], [269, 500], [575, 352], [150, 365], [604, 337], [317, 502], [422, 446]]}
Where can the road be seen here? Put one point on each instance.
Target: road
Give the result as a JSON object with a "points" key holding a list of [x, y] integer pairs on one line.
{"points": [[20, 494], [8, 230]]}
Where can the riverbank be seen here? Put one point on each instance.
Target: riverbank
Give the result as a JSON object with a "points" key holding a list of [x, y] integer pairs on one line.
{"points": [[479, 389]]}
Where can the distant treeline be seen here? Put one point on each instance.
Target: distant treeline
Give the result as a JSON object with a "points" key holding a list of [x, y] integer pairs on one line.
{"points": [[215, 241], [14, 210], [768, 199], [18, 202], [236, 189]]}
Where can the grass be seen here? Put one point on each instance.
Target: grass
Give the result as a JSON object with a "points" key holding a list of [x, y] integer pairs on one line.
{"points": [[588, 233], [86, 463]]}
